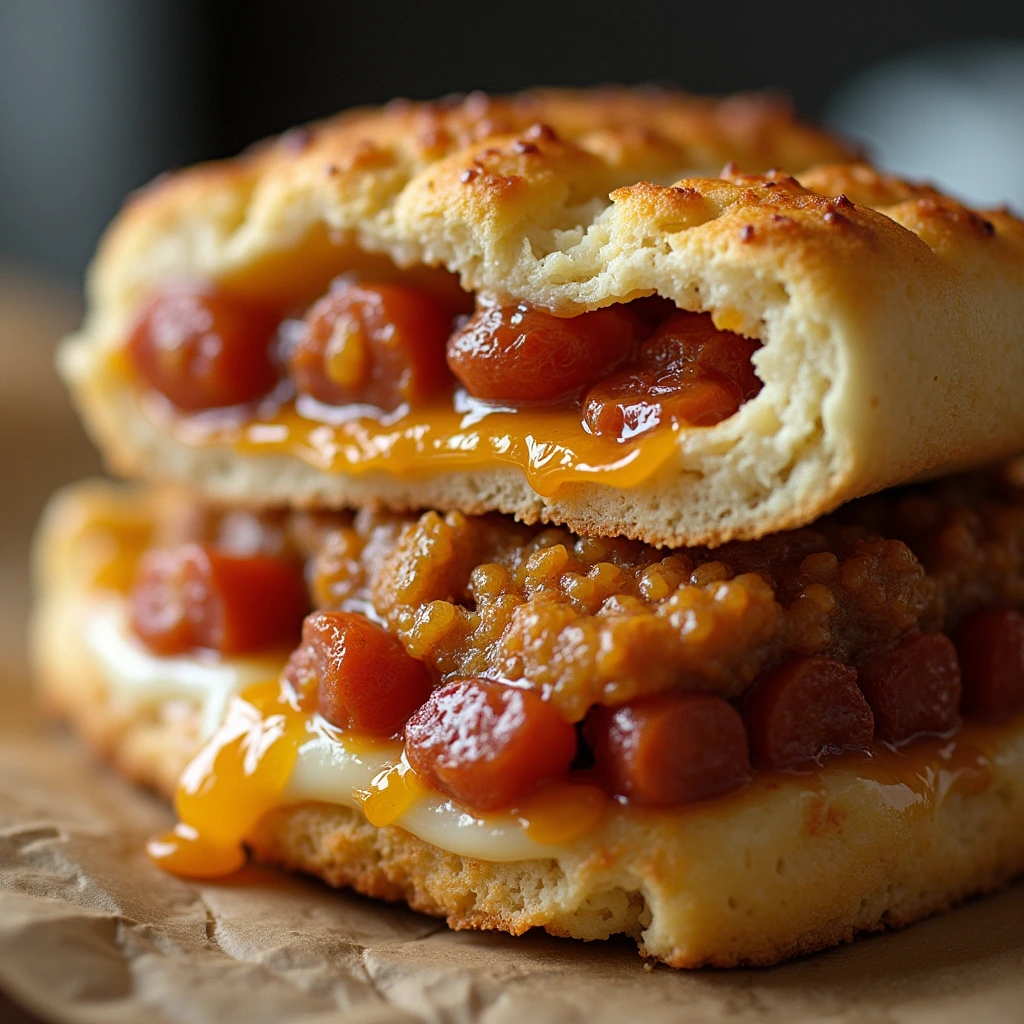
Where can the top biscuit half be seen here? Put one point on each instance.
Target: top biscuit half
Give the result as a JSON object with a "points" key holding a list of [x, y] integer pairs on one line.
{"points": [[273, 329]]}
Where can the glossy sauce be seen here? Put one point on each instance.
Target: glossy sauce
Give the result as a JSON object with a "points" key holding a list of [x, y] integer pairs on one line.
{"points": [[392, 792], [232, 783], [561, 812], [368, 374], [932, 768], [550, 446]]}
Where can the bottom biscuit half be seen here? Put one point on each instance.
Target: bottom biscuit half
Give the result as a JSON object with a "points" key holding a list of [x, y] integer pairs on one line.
{"points": [[790, 863], [778, 876]]}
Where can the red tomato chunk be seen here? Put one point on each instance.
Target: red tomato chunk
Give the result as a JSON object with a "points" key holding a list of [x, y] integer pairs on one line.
{"points": [[991, 649], [194, 597], [204, 348], [913, 688], [522, 354], [805, 710], [363, 677], [669, 749], [687, 372], [486, 744], [372, 344]]}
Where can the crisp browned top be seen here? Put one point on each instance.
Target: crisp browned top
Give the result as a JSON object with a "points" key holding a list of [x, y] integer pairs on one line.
{"points": [[650, 131], [351, 174]]}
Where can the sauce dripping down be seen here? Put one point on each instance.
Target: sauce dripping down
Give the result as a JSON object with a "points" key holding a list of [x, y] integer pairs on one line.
{"points": [[232, 783], [392, 792]]}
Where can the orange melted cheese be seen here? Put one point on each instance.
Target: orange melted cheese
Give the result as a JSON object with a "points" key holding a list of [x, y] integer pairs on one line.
{"points": [[243, 773], [232, 783], [561, 812], [550, 446], [392, 791]]}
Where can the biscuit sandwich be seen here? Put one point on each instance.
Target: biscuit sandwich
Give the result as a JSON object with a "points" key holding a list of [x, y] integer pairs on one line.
{"points": [[541, 525]]}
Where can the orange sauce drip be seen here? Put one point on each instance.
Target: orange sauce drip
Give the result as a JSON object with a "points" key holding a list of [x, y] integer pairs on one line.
{"points": [[391, 793], [933, 768], [550, 446], [914, 779], [561, 812], [232, 783]]}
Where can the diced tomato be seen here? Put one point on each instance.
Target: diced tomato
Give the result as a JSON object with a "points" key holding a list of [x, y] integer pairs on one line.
{"points": [[372, 344], [806, 709], [487, 744], [203, 348], [194, 597], [692, 341], [523, 354], [670, 749], [363, 677], [687, 372], [632, 403], [991, 649], [914, 687]]}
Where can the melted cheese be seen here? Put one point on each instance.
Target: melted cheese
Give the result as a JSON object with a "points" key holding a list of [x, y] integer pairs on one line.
{"points": [[138, 678], [551, 447], [261, 754], [376, 778], [267, 753]]}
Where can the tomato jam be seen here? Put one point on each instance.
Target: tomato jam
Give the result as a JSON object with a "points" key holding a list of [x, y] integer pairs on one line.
{"points": [[687, 372], [502, 660], [398, 374], [378, 345], [203, 348], [196, 597]]}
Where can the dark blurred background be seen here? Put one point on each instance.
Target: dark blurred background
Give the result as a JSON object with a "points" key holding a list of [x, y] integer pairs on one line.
{"points": [[98, 96]]}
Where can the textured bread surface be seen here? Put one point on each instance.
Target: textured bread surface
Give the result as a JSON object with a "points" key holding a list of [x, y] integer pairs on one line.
{"points": [[892, 316], [789, 865]]}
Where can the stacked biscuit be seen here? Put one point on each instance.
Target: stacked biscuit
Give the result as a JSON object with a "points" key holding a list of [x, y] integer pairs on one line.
{"points": [[503, 538]]}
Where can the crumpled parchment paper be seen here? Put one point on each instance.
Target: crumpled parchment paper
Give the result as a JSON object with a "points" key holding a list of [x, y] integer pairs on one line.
{"points": [[90, 931]]}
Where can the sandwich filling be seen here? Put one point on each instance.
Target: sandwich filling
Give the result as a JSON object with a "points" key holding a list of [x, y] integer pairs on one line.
{"points": [[500, 690], [418, 378]]}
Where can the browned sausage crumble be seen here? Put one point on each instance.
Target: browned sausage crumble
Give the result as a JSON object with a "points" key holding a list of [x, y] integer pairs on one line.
{"points": [[877, 623]]}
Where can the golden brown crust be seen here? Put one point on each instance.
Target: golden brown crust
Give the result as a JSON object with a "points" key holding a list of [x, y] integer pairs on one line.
{"points": [[502, 150]]}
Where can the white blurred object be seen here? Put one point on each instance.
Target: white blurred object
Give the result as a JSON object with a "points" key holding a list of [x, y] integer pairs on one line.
{"points": [[952, 115]]}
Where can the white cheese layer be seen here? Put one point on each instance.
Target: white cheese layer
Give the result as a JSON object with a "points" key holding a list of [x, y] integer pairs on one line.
{"points": [[326, 769], [140, 678]]}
